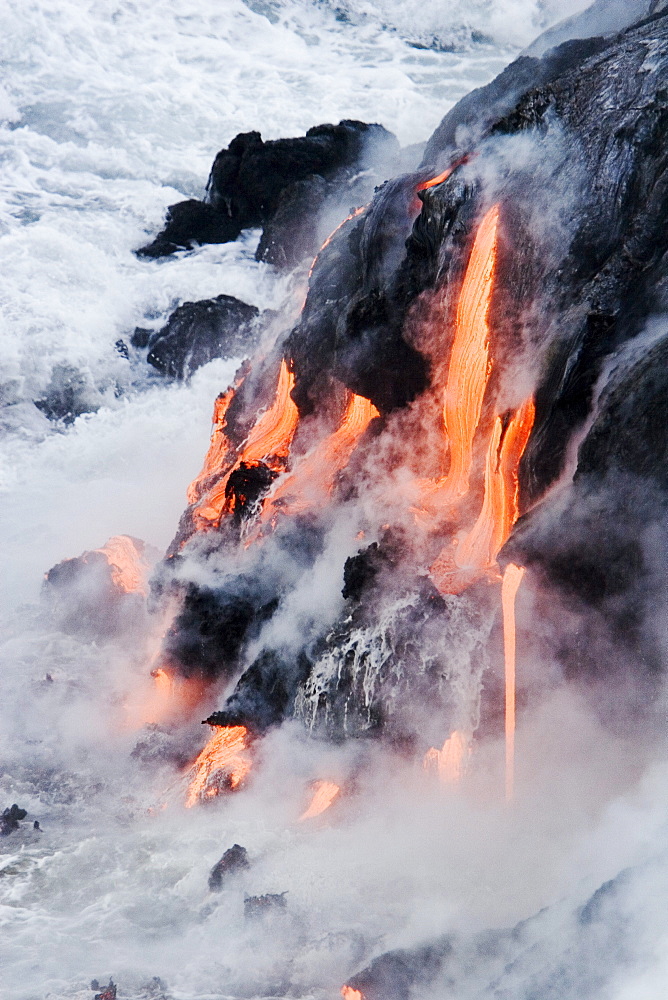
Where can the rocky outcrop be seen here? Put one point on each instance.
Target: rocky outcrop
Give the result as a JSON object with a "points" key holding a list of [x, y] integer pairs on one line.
{"points": [[198, 332], [280, 185], [571, 148]]}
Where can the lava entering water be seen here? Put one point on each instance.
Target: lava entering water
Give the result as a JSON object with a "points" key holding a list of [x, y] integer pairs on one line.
{"points": [[222, 764], [268, 441], [323, 795], [128, 571], [450, 760]]}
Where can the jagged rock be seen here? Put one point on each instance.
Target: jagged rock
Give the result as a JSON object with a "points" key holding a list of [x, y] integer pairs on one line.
{"points": [[264, 692], [248, 178], [290, 234], [564, 951], [188, 224], [107, 993], [255, 183], [10, 819], [198, 332], [232, 863]]}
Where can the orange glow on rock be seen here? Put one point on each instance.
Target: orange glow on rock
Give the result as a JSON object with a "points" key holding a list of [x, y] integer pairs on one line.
{"points": [[269, 440], [166, 698], [500, 508], [128, 570], [512, 579], [312, 480], [222, 765], [470, 367], [219, 447], [348, 993], [450, 761], [324, 793], [435, 180]]}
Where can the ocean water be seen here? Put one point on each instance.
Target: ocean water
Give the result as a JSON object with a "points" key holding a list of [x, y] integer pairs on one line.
{"points": [[109, 112]]}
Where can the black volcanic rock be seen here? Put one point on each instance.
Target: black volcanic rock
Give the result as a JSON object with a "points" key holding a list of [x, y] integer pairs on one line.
{"points": [[198, 332], [566, 951], [290, 235], [259, 907], [248, 178], [70, 393], [280, 184], [188, 224], [232, 863], [10, 819]]}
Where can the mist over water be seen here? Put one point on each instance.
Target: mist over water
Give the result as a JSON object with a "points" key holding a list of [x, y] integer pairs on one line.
{"points": [[110, 112]]}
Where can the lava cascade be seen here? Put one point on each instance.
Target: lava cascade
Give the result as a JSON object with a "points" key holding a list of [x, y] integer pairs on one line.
{"points": [[224, 762]]}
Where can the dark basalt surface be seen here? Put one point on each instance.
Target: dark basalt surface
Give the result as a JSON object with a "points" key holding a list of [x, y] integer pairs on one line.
{"points": [[280, 185], [198, 332], [572, 147]]}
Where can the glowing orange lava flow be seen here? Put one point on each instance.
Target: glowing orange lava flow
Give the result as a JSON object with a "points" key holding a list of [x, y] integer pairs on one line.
{"points": [[348, 993], [222, 764], [219, 446], [500, 508], [512, 578], [436, 180], [324, 794], [450, 761], [128, 570], [269, 439], [470, 366], [312, 479]]}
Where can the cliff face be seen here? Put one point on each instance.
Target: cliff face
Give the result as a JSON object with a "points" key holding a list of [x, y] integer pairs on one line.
{"points": [[569, 151]]}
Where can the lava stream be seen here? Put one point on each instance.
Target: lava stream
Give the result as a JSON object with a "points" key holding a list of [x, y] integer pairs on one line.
{"points": [[312, 480], [512, 578], [269, 440], [219, 446], [348, 993], [500, 508], [470, 367], [324, 794], [223, 763]]}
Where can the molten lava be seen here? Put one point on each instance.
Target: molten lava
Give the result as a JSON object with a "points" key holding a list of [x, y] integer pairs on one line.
{"points": [[219, 446], [128, 570], [312, 479], [348, 993], [450, 761], [512, 579], [269, 441], [222, 765], [470, 366], [500, 508], [323, 795]]}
